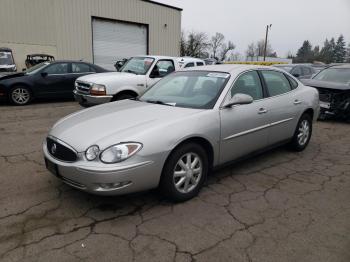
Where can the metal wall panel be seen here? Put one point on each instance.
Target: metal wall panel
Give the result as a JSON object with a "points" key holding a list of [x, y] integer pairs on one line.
{"points": [[66, 25]]}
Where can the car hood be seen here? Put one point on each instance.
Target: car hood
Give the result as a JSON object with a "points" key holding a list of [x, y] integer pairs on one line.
{"points": [[324, 84], [116, 122], [11, 75], [111, 78]]}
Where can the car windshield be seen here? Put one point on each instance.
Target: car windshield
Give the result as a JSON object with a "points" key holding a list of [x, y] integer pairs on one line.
{"points": [[138, 65], [36, 68], [190, 89], [338, 75], [6, 58]]}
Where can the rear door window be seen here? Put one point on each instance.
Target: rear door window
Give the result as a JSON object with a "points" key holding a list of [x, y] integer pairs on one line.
{"points": [[189, 65], [79, 68], [276, 83]]}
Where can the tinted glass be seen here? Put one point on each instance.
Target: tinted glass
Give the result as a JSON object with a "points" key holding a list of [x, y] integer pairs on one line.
{"points": [[293, 83], [200, 64], [199, 89], [189, 65], [296, 71], [248, 84], [81, 68], [276, 82], [57, 69], [338, 75]]}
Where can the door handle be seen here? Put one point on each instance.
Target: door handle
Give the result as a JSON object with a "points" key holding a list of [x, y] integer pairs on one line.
{"points": [[297, 102], [262, 111]]}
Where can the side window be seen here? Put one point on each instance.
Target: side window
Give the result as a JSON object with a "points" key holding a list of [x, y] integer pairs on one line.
{"points": [[189, 65], [200, 64], [57, 69], [296, 71], [276, 82], [163, 68], [293, 83], [306, 71], [80, 68], [249, 84]]}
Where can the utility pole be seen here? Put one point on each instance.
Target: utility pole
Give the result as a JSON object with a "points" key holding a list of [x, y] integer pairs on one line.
{"points": [[267, 34]]}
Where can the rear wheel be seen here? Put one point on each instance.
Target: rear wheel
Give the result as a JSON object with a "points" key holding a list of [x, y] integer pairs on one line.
{"points": [[20, 95], [302, 133], [184, 172]]}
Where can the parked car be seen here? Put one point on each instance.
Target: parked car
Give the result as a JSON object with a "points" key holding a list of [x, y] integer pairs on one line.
{"points": [[7, 63], [136, 76], [211, 61], [177, 131], [36, 59], [186, 62], [301, 71], [46, 80], [333, 85]]}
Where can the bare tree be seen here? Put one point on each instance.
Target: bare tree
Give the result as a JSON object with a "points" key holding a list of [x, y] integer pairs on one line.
{"points": [[225, 48], [216, 42], [250, 52], [195, 44]]}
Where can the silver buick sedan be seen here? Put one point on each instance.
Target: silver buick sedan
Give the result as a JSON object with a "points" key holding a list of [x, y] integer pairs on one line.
{"points": [[173, 135]]}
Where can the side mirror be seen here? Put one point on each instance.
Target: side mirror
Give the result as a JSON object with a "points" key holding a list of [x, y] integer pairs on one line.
{"points": [[239, 99], [44, 74], [296, 75]]}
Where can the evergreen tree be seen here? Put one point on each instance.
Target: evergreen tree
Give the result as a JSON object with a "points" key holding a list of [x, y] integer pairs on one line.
{"points": [[316, 53], [339, 50], [327, 52], [304, 54]]}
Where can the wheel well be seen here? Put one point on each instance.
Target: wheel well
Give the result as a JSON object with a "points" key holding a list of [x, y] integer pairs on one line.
{"points": [[310, 112], [20, 85], [125, 92], [203, 143]]}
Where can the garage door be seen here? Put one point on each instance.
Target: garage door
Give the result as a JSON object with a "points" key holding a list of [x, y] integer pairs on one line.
{"points": [[114, 41]]}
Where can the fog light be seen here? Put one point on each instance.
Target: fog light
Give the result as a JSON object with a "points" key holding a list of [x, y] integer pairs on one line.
{"points": [[111, 186]]}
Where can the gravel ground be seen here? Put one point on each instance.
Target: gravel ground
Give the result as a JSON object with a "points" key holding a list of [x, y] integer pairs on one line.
{"points": [[281, 206]]}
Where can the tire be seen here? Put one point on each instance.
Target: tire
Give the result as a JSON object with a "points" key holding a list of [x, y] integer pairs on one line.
{"points": [[20, 95], [179, 182], [84, 105], [302, 134], [123, 97]]}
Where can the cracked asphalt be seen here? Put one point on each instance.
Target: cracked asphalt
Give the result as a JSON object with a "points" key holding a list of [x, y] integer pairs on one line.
{"points": [[280, 206]]}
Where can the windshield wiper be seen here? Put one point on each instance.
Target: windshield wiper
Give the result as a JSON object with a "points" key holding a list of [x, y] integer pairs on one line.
{"points": [[159, 102]]}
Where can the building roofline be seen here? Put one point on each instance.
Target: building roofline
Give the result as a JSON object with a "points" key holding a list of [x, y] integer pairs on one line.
{"points": [[165, 5]]}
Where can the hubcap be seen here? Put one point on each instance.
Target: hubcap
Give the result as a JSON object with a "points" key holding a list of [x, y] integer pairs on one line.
{"points": [[304, 132], [20, 95], [187, 173]]}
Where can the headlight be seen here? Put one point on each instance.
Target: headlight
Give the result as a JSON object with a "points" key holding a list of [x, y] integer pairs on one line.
{"points": [[92, 152], [120, 152], [98, 90]]}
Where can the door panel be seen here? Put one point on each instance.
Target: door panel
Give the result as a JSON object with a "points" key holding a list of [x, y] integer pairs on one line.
{"points": [[284, 106], [244, 129]]}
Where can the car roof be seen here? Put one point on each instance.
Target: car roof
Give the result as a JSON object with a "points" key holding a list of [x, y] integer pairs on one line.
{"points": [[155, 56], [68, 61], [5, 49], [189, 59], [228, 68], [344, 66]]}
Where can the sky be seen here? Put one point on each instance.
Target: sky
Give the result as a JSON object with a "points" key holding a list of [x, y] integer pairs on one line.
{"points": [[244, 21]]}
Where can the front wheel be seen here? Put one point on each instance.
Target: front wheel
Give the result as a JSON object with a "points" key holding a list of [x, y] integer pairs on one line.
{"points": [[302, 133], [20, 96], [184, 172]]}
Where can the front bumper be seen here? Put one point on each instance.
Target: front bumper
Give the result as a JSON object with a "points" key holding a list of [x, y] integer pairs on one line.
{"points": [[90, 100], [108, 180]]}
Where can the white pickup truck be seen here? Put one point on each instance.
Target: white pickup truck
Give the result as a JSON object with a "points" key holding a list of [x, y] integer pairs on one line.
{"points": [[138, 74]]}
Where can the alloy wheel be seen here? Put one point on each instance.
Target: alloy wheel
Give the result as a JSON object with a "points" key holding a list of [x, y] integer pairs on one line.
{"points": [[20, 96], [304, 132], [187, 172]]}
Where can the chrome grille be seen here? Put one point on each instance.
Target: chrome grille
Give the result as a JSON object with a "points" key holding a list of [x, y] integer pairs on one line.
{"points": [[60, 151], [82, 87]]}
